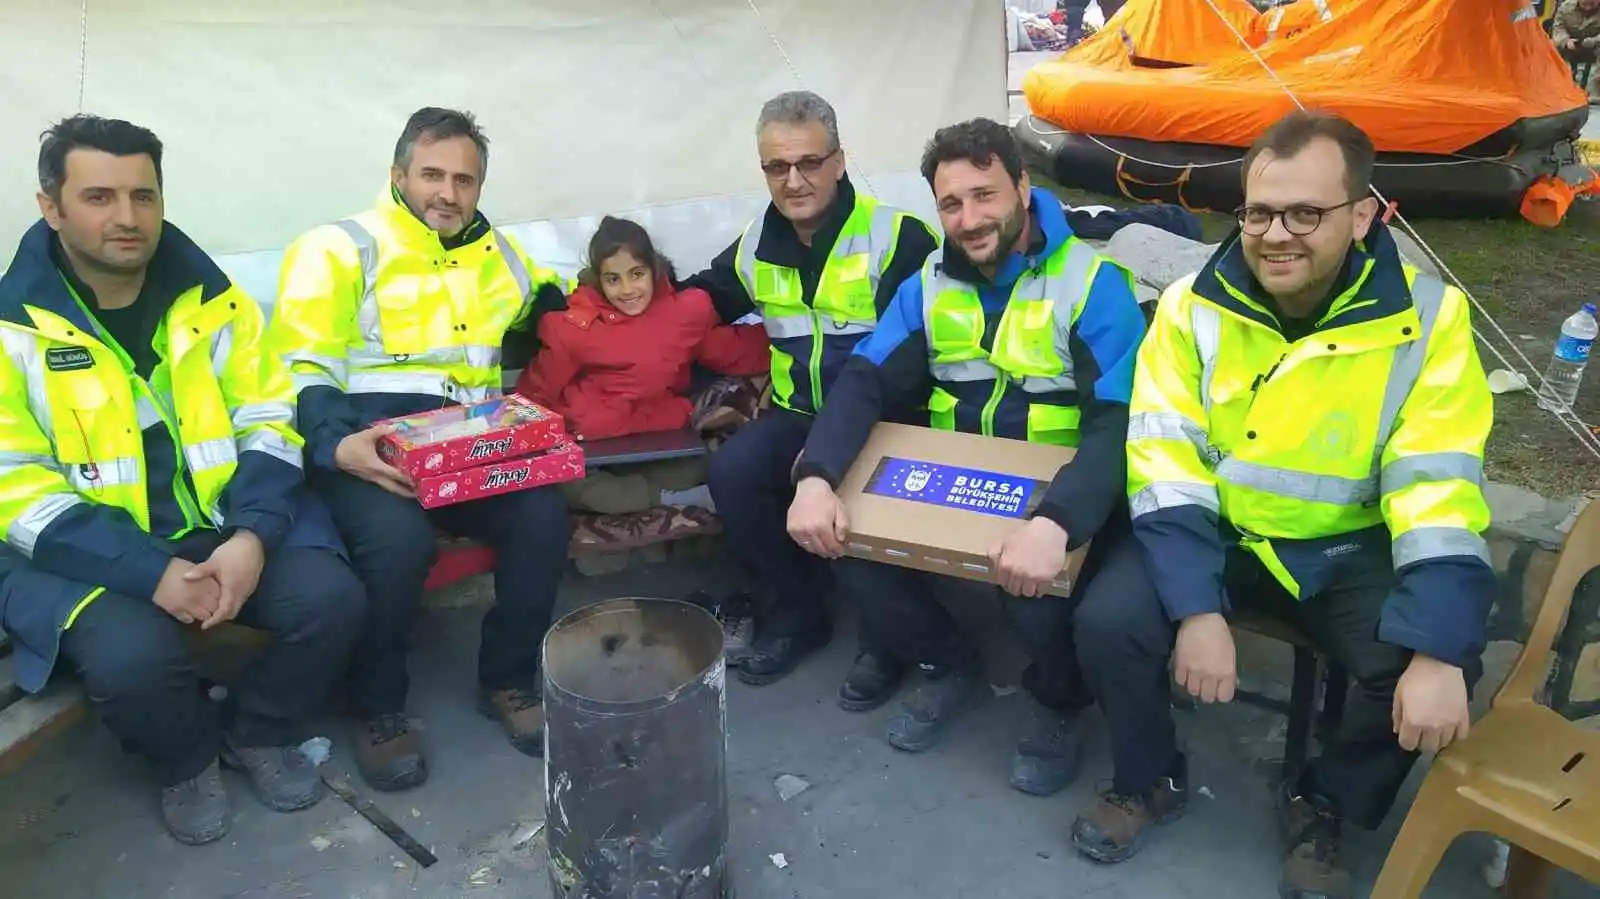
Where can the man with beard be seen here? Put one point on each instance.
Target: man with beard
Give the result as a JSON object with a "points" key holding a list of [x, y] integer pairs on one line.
{"points": [[1015, 329], [397, 310], [1309, 417], [819, 264]]}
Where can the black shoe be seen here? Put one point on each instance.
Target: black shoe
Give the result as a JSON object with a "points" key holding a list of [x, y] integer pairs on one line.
{"points": [[771, 659], [1046, 761], [197, 811], [919, 725], [872, 680]]}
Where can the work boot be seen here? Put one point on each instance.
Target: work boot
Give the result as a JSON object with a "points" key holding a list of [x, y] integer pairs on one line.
{"points": [[521, 713], [736, 613], [1046, 760], [927, 712], [771, 659], [1115, 827], [872, 680], [283, 778], [1314, 868], [197, 810], [389, 754]]}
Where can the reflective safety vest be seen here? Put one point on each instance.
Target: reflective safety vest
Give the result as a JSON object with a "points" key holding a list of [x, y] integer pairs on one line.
{"points": [[1380, 423], [1031, 350], [91, 410], [376, 304], [845, 303]]}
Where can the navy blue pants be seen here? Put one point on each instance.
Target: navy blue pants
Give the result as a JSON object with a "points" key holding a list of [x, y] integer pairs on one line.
{"points": [[392, 544], [752, 486]]}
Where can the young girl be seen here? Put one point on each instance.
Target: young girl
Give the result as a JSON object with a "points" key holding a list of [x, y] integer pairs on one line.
{"points": [[618, 362]]}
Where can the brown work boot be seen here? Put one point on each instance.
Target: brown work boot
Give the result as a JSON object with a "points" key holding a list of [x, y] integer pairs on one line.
{"points": [[1314, 868], [389, 754], [1115, 827], [521, 713]]}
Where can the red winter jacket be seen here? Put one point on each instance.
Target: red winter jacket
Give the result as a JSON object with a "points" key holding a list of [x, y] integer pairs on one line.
{"points": [[610, 374]]}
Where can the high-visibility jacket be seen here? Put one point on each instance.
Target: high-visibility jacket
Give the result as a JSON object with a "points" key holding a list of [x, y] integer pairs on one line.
{"points": [[1360, 443], [843, 308], [88, 447], [1042, 351], [376, 318]]}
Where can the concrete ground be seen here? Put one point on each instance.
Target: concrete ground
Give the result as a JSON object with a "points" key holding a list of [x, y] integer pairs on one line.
{"points": [[80, 817]]}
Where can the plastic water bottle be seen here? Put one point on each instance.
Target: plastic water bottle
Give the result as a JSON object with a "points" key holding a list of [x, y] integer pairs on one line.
{"points": [[1566, 363]]}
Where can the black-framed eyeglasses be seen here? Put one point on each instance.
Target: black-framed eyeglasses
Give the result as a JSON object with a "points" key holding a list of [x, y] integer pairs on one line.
{"points": [[778, 169], [1299, 220]]}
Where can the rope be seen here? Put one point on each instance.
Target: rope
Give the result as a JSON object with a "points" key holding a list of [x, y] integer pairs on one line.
{"points": [[794, 72], [83, 51], [1565, 415]]}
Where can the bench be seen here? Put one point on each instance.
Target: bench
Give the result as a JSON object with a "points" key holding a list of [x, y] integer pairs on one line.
{"points": [[26, 722]]}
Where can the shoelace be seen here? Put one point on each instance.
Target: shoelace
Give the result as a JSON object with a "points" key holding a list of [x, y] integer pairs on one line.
{"points": [[389, 727]]}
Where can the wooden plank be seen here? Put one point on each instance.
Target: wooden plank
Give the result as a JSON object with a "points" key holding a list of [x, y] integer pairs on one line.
{"points": [[26, 725]]}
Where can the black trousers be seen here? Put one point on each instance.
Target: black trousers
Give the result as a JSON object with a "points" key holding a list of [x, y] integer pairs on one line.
{"points": [[140, 678], [392, 545], [751, 484], [1361, 767]]}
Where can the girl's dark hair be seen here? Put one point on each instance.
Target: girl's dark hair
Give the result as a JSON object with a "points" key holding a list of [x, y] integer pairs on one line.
{"points": [[617, 234]]}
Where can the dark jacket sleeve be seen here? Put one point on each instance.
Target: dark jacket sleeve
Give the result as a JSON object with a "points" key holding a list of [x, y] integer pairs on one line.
{"points": [[261, 497], [1104, 343], [721, 280], [103, 545], [521, 342], [887, 371], [326, 416], [910, 251]]}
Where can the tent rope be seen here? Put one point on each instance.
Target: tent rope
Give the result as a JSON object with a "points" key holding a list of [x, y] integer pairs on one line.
{"points": [[1566, 416], [794, 71], [83, 50]]}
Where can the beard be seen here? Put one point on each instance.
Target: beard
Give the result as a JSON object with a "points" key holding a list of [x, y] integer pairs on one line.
{"points": [[1009, 230]]}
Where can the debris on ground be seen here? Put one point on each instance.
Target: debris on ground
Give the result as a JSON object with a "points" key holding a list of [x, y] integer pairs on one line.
{"points": [[320, 843], [525, 835], [789, 786], [779, 861], [1206, 792], [482, 877], [317, 750], [1000, 691]]}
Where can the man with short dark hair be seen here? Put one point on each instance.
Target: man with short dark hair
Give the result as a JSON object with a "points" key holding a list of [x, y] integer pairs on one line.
{"points": [[819, 265], [151, 482], [1309, 417], [1015, 329], [1575, 29], [393, 311]]}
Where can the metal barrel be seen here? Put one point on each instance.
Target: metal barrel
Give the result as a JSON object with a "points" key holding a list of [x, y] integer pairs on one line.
{"points": [[635, 755]]}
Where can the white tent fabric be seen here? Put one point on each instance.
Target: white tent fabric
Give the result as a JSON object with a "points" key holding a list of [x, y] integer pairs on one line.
{"points": [[278, 117]]}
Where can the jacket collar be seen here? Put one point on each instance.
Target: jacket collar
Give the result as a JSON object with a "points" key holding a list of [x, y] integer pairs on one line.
{"points": [[1048, 232], [1371, 286], [780, 245], [587, 305], [34, 278], [412, 228]]}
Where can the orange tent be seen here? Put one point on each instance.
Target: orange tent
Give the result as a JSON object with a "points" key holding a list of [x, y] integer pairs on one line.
{"points": [[1419, 76]]}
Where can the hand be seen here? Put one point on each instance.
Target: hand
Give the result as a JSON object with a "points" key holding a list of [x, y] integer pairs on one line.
{"points": [[188, 600], [236, 567], [1030, 557], [1430, 705], [1571, 43], [357, 454], [1204, 660], [817, 519]]}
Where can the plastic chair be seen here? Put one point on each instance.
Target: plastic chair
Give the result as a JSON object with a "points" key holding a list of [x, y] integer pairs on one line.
{"points": [[1524, 774]]}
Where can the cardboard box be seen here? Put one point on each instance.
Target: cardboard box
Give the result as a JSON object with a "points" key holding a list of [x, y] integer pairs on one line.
{"points": [[938, 501], [457, 438], [563, 462]]}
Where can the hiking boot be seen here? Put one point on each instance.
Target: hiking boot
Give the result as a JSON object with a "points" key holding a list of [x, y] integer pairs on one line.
{"points": [[283, 778], [521, 713], [872, 680], [736, 614], [927, 712], [1314, 868], [389, 754], [1046, 760], [197, 810], [771, 659], [1115, 827]]}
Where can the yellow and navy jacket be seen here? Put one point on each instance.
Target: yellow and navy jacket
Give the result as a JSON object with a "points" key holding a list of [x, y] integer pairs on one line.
{"points": [[980, 378], [378, 317], [1355, 445], [103, 467], [816, 302]]}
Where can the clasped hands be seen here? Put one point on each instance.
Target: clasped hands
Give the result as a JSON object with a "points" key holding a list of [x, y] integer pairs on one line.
{"points": [[213, 591]]}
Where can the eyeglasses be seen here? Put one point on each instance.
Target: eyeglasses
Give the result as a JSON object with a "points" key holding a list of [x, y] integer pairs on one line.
{"points": [[778, 169], [1299, 220]]}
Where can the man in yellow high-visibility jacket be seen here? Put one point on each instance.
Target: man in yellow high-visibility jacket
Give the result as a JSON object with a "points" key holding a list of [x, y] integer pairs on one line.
{"points": [[150, 481], [402, 308], [1306, 441]]}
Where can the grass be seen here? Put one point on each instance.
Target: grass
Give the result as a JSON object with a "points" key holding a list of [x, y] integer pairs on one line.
{"points": [[1528, 279]]}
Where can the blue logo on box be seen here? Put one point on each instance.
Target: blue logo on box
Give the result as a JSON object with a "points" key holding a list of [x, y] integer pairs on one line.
{"points": [[972, 489]]}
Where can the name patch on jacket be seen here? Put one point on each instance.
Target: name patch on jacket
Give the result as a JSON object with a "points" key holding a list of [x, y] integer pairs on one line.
{"points": [[68, 358], [987, 492]]}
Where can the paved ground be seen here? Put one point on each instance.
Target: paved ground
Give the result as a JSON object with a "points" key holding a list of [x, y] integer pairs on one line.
{"points": [[874, 823]]}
